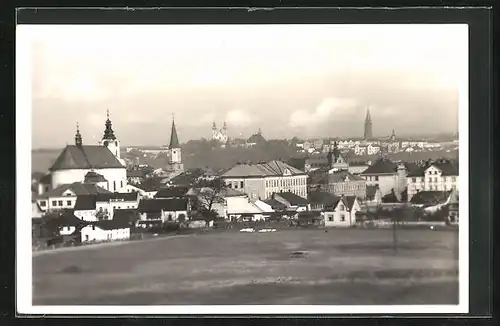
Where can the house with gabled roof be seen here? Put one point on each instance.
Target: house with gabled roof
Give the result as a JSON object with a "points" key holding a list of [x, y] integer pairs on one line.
{"points": [[387, 175], [292, 201], [76, 161], [64, 196], [439, 175], [260, 180], [163, 209], [107, 230]]}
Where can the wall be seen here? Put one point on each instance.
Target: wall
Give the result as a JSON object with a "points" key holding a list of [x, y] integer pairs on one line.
{"points": [[357, 169], [86, 215], [386, 182], [67, 230], [262, 188], [68, 202], [78, 175], [350, 188], [98, 234]]}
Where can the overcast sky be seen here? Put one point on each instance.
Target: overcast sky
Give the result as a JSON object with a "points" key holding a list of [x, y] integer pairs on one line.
{"points": [[288, 80]]}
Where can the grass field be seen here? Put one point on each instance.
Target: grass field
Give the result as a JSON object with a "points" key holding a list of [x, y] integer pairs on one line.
{"points": [[354, 266]]}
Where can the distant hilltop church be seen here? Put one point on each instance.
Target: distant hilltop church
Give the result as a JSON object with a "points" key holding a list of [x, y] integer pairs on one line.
{"points": [[220, 135], [99, 164]]}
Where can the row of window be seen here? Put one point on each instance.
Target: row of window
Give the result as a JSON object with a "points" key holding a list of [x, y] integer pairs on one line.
{"points": [[286, 182], [452, 179], [56, 203], [301, 192], [330, 218], [372, 178], [347, 186]]}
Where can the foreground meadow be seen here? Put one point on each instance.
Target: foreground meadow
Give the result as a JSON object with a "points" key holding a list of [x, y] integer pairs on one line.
{"points": [[288, 267]]}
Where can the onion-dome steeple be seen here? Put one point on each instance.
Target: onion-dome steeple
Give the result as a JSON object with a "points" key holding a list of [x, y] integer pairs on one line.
{"points": [[78, 136], [108, 132]]}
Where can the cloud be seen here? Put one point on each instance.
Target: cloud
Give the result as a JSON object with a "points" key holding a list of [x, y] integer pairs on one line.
{"points": [[324, 111], [239, 118]]}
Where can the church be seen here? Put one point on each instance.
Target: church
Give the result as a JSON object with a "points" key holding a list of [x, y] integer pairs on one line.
{"points": [[174, 164], [88, 163]]}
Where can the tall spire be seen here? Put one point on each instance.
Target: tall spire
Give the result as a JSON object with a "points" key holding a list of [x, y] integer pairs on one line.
{"points": [[174, 140], [78, 136], [368, 116], [368, 125], [108, 131]]}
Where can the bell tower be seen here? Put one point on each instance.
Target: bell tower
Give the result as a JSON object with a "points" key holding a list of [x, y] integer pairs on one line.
{"points": [[174, 150], [368, 126], [109, 139]]}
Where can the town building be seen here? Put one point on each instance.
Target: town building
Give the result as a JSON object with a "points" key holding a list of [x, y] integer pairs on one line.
{"points": [[65, 196], [344, 183], [174, 164], [76, 161], [103, 206], [261, 180], [441, 175], [387, 175], [108, 230], [164, 210], [236, 205], [220, 135], [337, 211], [291, 201], [373, 195]]}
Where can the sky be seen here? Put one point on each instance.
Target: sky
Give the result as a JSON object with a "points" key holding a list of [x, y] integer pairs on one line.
{"points": [[288, 80]]}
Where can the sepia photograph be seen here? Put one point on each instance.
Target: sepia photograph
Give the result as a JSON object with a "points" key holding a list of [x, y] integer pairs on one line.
{"points": [[218, 168]]}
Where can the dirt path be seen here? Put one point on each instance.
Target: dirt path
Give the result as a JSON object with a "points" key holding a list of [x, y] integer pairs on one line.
{"points": [[107, 244]]}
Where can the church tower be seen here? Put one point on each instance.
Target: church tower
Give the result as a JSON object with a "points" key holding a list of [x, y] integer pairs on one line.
{"points": [[174, 151], [215, 132], [78, 137], [368, 126], [109, 139]]}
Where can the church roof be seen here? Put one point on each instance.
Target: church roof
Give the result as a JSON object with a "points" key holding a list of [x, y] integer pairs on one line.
{"points": [[93, 177], [256, 139], [85, 157], [174, 139]]}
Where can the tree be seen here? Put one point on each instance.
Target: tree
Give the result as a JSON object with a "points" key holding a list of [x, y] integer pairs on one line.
{"points": [[102, 215], [390, 197], [48, 224], [404, 195], [210, 192]]}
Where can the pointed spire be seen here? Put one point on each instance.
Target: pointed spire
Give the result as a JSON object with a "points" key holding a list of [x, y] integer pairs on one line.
{"points": [[78, 136], [108, 131], [174, 140], [368, 116]]}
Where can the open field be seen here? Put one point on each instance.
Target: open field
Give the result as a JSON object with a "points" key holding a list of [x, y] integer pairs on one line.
{"points": [[354, 266]]}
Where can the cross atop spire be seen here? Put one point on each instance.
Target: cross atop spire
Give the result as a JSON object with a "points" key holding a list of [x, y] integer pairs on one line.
{"points": [[107, 113], [174, 139]]}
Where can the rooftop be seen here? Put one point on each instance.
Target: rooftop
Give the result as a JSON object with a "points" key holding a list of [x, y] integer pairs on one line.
{"points": [[86, 157], [272, 168]]}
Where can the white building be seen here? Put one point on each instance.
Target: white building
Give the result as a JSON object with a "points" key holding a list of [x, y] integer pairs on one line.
{"points": [[106, 231], [65, 196], [92, 207], [441, 175], [260, 181], [220, 135], [76, 161], [387, 175], [163, 209], [342, 212]]}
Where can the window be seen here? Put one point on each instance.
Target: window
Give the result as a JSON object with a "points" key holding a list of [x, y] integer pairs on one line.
{"points": [[342, 217], [413, 180], [241, 184], [435, 179], [43, 203], [60, 203], [430, 179], [376, 178], [93, 227], [330, 218], [229, 185], [68, 202], [46, 188], [341, 207]]}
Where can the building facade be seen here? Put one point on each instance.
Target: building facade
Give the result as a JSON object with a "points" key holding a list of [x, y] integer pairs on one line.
{"points": [[220, 135], [387, 175], [441, 175], [260, 181], [346, 184]]}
